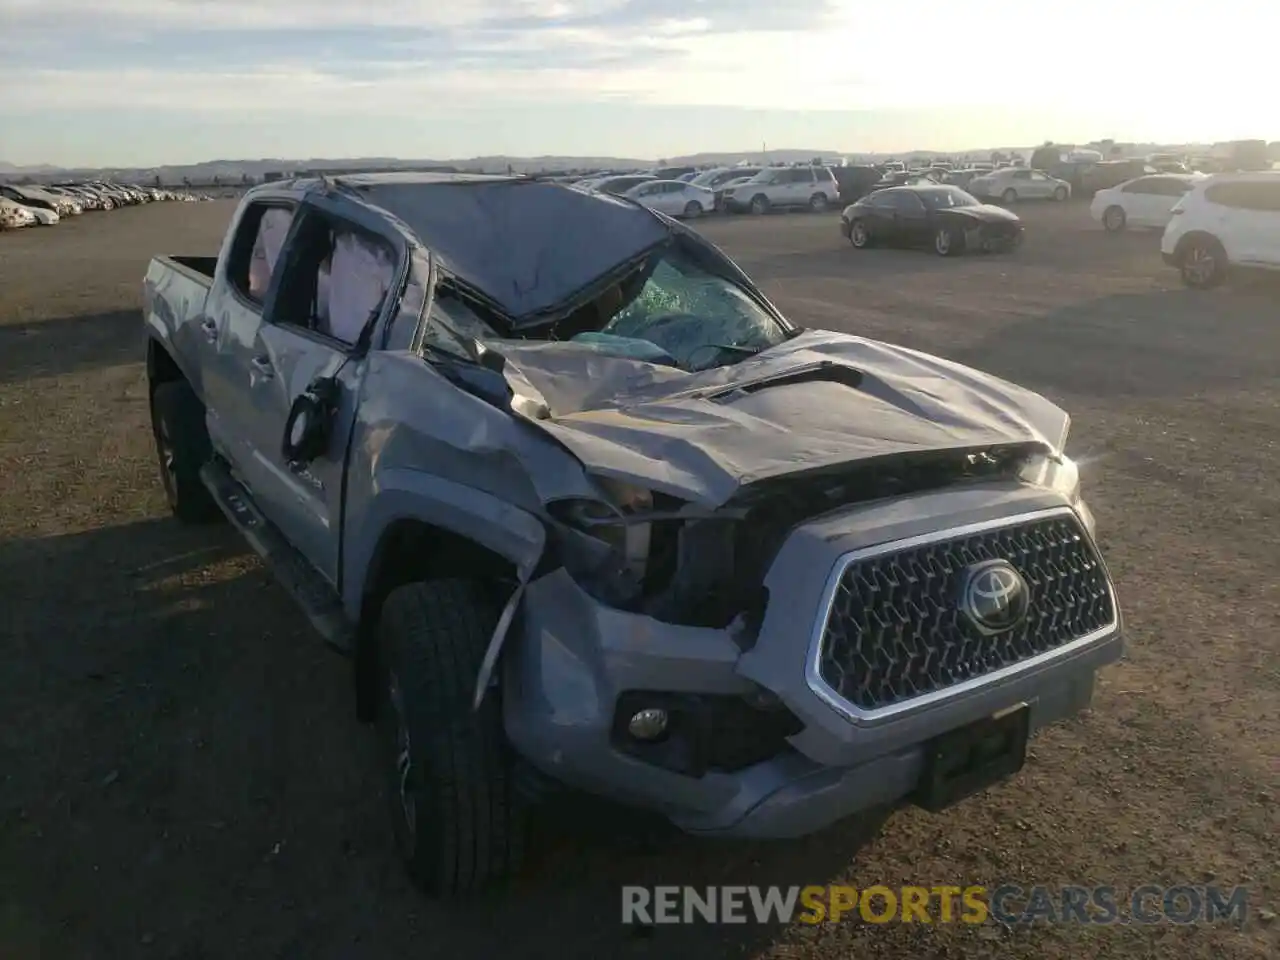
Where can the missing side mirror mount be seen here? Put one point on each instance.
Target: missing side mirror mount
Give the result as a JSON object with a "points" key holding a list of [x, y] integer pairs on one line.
{"points": [[310, 423]]}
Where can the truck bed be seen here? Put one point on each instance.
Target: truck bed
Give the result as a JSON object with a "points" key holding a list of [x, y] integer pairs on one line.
{"points": [[202, 267], [173, 297]]}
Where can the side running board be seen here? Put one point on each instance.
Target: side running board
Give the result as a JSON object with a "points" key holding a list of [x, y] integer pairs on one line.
{"points": [[319, 601]]}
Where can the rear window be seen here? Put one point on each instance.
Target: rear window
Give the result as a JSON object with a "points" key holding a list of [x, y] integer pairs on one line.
{"points": [[256, 248], [1246, 195]]}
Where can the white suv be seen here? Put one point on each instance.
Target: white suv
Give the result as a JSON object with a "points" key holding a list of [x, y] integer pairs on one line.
{"points": [[812, 187], [1227, 220]]}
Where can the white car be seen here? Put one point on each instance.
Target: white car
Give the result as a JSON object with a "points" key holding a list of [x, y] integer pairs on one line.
{"points": [[15, 215], [1141, 202], [814, 188], [675, 198], [1011, 184], [45, 218], [1226, 220]]}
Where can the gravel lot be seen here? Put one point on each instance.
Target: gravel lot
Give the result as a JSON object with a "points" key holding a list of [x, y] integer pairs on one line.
{"points": [[182, 776]]}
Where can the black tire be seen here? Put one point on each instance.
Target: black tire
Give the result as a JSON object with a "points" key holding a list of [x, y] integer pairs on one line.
{"points": [[948, 242], [449, 766], [182, 448], [1202, 262], [1009, 197], [818, 203], [692, 209], [859, 235], [1060, 194], [1114, 219], [760, 204]]}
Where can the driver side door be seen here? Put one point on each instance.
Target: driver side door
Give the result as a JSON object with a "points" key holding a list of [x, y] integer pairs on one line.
{"points": [[335, 283], [882, 222], [669, 199], [1040, 186], [646, 194], [913, 225]]}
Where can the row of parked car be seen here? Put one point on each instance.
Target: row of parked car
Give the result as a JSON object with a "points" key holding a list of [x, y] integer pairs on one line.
{"points": [[30, 205], [687, 192], [1211, 225]]}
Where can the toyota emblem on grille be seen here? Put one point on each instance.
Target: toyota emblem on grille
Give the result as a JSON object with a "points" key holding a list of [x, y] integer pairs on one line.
{"points": [[995, 598]]}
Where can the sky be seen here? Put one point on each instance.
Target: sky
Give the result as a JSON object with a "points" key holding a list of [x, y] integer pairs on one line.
{"points": [[148, 82]]}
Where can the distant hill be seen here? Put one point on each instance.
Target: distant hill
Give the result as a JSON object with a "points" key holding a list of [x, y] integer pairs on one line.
{"points": [[234, 171], [245, 171]]}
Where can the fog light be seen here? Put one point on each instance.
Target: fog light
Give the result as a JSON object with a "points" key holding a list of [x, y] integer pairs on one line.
{"points": [[648, 724]]}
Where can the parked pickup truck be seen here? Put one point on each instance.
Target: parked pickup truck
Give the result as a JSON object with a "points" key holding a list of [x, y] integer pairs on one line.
{"points": [[587, 511]]}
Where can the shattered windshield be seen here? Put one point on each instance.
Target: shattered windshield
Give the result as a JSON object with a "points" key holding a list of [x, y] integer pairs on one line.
{"points": [[678, 313], [694, 318]]}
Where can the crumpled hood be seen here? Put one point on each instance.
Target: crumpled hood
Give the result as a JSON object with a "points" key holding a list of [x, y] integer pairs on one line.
{"points": [[703, 436]]}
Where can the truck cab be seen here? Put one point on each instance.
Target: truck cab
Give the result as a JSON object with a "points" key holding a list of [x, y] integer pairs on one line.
{"points": [[585, 510]]}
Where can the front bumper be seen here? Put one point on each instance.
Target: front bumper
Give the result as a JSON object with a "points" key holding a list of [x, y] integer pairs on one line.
{"points": [[995, 238], [572, 658]]}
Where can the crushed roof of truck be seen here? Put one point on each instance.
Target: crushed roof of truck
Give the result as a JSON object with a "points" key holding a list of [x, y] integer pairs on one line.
{"points": [[530, 246]]}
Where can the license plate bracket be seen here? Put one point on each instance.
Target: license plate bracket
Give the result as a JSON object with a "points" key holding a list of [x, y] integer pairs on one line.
{"points": [[966, 761]]}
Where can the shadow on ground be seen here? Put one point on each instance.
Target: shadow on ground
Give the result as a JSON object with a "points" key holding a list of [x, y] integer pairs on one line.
{"points": [[176, 741], [47, 348]]}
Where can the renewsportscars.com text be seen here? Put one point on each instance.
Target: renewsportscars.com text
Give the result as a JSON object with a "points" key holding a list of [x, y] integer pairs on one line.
{"points": [[1006, 904]]}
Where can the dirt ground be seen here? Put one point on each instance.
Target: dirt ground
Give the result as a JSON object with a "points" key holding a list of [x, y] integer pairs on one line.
{"points": [[182, 776]]}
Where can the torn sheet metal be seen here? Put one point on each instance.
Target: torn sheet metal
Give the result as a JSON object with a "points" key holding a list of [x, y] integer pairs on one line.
{"points": [[702, 436]]}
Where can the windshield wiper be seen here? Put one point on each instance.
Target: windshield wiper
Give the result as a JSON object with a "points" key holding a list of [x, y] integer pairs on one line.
{"points": [[728, 348], [733, 347]]}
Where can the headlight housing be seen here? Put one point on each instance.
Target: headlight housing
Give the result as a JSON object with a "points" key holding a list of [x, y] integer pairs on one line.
{"points": [[604, 544], [1060, 474]]}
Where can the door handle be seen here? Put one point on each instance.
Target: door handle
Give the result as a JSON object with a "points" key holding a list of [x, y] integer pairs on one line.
{"points": [[262, 365], [210, 328]]}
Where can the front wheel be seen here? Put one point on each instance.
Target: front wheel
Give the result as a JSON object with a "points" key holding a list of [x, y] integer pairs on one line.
{"points": [[759, 204], [1060, 194], [692, 209], [1203, 263], [459, 823], [1010, 196]]}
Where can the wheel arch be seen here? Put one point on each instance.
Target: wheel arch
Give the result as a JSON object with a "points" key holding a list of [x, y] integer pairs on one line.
{"points": [[411, 549], [161, 367], [1192, 236]]}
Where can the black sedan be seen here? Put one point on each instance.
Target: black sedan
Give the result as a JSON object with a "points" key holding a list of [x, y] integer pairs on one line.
{"points": [[942, 217]]}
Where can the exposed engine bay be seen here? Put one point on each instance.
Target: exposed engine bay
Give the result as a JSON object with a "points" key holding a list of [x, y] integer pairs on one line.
{"points": [[658, 556]]}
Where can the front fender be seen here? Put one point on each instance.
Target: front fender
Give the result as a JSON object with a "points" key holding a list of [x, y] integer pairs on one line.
{"points": [[405, 494]]}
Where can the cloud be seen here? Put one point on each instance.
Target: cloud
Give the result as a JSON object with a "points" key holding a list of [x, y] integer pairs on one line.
{"points": [[203, 56], [392, 57]]}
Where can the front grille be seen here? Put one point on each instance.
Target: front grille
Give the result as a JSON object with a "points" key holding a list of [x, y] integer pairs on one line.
{"points": [[1001, 231], [895, 631]]}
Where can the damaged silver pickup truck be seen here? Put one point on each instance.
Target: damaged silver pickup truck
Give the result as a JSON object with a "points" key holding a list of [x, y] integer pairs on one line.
{"points": [[586, 510]]}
